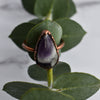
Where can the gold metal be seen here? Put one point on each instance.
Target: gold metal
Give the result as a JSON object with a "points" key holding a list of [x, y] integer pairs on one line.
{"points": [[27, 47], [61, 45]]}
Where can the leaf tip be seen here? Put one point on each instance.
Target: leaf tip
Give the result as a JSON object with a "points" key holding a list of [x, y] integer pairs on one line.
{"points": [[10, 36], [85, 32], [4, 87]]}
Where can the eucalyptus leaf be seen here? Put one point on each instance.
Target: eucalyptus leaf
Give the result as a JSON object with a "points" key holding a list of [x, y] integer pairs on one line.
{"points": [[43, 7], [45, 94], [72, 33], [17, 89], [79, 85], [55, 8], [63, 8], [29, 5], [35, 21], [72, 9], [19, 34], [36, 31], [38, 73]]}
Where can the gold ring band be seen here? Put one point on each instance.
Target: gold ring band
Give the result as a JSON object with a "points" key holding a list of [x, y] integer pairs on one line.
{"points": [[60, 46], [32, 49]]}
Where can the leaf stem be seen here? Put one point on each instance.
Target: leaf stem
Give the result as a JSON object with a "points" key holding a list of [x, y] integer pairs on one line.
{"points": [[50, 77], [49, 16]]}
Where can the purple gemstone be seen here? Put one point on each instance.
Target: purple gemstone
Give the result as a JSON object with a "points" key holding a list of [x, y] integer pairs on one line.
{"points": [[47, 55]]}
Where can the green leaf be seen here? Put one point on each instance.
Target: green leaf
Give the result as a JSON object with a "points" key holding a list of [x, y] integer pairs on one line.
{"points": [[72, 9], [72, 33], [45, 94], [19, 34], [57, 8], [61, 68], [43, 7], [36, 31], [79, 85], [35, 21], [29, 5], [38, 73], [17, 89], [63, 8]]}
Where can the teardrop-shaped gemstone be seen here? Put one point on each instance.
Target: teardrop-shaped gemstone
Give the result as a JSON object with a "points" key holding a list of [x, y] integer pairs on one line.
{"points": [[47, 55]]}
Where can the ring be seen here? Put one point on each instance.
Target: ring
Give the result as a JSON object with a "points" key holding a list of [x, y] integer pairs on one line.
{"points": [[60, 46], [46, 52]]}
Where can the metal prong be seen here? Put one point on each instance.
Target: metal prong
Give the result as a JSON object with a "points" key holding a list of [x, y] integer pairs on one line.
{"points": [[27, 48], [61, 45]]}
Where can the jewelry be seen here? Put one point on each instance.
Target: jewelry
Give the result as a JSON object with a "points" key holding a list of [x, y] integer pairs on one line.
{"points": [[46, 52]]}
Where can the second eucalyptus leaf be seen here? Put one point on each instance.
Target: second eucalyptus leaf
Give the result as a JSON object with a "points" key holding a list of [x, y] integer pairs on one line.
{"points": [[29, 5], [17, 89], [79, 85], [19, 34], [45, 94], [38, 73], [55, 8], [72, 33]]}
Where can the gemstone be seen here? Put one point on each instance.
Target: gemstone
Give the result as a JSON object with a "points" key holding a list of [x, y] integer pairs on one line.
{"points": [[47, 55]]}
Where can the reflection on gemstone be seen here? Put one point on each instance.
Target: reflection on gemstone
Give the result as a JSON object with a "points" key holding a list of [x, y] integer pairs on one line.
{"points": [[47, 55]]}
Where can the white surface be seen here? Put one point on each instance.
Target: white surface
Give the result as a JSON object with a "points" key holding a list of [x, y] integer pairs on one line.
{"points": [[83, 58]]}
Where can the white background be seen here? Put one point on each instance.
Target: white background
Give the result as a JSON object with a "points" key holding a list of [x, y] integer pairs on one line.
{"points": [[83, 58]]}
